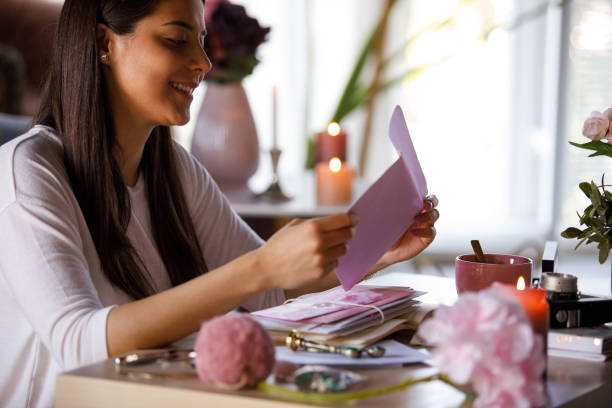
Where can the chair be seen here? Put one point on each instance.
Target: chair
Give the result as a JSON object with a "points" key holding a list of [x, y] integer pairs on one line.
{"points": [[12, 126], [29, 27]]}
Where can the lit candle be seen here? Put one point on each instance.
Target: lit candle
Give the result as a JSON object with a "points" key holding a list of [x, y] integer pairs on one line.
{"points": [[334, 183], [331, 143], [274, 120], [535, 305]]}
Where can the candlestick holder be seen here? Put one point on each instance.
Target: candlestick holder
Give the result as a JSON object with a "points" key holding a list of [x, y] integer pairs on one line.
{"points": [[274, 191]]}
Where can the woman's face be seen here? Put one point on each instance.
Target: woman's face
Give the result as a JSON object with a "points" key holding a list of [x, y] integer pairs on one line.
{"points": [[154, 70]]}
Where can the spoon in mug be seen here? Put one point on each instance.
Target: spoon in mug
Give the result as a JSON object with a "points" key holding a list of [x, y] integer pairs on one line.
{"points": [[478, 251]]}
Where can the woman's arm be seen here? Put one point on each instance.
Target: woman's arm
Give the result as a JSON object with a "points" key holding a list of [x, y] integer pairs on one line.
{"points": [[297, 255], [179, 311]]}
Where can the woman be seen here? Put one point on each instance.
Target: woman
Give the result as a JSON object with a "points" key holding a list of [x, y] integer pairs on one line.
{"points": [[118, 238]]}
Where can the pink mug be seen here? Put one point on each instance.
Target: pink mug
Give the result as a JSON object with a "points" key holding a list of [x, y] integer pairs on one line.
{"points": [[472, 276]]}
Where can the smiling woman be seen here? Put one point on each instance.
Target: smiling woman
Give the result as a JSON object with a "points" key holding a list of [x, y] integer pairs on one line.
{"points": [[120, 240]]}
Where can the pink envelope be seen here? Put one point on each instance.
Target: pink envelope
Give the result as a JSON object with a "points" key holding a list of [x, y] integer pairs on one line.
{"points": [[386, 209], [335, 304], [391, 295], [323, 303]]}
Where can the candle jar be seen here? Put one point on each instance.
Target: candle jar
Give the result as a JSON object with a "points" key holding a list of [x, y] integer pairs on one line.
{"points": [[331, 143], [334, 183]]}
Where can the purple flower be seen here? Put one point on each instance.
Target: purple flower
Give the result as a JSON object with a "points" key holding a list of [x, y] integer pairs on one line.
{"points": [[233, 38]]}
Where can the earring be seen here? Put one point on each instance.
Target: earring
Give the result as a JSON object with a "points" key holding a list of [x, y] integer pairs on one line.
{"points": [[104, 58]]}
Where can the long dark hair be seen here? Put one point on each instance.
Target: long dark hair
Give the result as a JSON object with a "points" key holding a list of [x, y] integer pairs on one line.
{"points": [[74, 102]]}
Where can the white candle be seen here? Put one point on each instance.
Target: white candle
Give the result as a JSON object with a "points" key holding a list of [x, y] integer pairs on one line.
{"points": [[274, 120]]}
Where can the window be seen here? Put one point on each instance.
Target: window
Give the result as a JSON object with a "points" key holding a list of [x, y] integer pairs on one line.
{"points": [[484, 121], [589, 87]]}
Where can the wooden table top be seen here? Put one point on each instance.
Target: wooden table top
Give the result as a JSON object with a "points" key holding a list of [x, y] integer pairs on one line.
{"points": [[570, 382]]}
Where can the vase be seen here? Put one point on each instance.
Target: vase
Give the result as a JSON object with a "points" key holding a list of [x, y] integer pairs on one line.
{"points": [[225, 138]]}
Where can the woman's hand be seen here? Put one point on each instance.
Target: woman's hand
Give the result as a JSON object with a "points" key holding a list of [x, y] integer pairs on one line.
{"points": [[304, 251], [418, 236]]}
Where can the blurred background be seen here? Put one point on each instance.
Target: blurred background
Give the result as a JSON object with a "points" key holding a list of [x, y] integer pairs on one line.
{"points": [[492, 91]]}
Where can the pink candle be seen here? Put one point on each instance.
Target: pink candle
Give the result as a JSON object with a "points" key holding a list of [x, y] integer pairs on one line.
{"points": [[331, 143], [334, 183]]}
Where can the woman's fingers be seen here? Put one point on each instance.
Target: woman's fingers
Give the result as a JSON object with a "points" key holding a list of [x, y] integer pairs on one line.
{"points": [[337, 237], [334, 253], [338, 221], [330, 257], [425, 219], [331, 266], [429, 232]]}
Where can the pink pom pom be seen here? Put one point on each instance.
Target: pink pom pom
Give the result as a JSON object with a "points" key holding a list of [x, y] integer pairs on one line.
{"points": [[233, 351]]}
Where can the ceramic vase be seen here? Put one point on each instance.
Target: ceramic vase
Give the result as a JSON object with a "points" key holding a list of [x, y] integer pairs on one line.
{"points": [[225, 138]]}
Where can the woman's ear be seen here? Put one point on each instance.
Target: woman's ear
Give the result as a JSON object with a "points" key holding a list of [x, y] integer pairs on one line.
{"points": [[103, 38]]}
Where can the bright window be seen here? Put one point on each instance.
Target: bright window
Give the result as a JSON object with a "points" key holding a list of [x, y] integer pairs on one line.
{"points": [[485, 122]]}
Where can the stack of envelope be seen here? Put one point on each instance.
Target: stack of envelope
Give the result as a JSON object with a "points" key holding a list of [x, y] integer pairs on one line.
{"points": [[360, 316]]}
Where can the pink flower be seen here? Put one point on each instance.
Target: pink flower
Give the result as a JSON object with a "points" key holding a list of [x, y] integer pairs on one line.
{"points": [[485, 342], [596, 126], [608, 114]]}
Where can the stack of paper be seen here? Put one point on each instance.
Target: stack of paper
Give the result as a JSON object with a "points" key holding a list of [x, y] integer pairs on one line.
{"points": [[585, 343], [370, 310]]}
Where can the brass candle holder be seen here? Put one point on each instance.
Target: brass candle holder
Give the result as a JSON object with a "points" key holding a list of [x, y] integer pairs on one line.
{"points": [[274, 192]]}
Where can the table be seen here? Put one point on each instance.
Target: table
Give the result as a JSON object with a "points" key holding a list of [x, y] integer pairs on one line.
{"points": [[266, 217], [570, 383]]}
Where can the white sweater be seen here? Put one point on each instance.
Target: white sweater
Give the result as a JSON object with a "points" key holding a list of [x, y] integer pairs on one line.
{"points": [[54, 297]]}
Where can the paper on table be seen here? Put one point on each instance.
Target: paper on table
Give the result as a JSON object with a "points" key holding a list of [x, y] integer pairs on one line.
{"points": [[343, 327], [395, 354], [335, 304], [386, 209], [323, 303]]}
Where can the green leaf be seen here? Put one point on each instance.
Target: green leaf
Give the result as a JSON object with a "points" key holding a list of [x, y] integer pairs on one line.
{"points": [[585, 233], [600, 154], [604, 251], [359, 64], [579, 243], [601, 210], [571, 232], [586, 188], [587, 217], [310, 152], [600, 148], [595, 195]]}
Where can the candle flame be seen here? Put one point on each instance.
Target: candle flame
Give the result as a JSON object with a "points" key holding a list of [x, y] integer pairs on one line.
{"points": [[335, 164], [520, 283], [333, 129]]}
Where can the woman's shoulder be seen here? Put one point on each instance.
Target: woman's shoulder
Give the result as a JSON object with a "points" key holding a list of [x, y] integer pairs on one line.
{"points": [[189, 167], [29, 162], [38, 142]]}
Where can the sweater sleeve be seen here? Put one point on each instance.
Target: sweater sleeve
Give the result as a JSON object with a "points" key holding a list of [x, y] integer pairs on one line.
{"points": [[222, 234], [42, 263]]}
